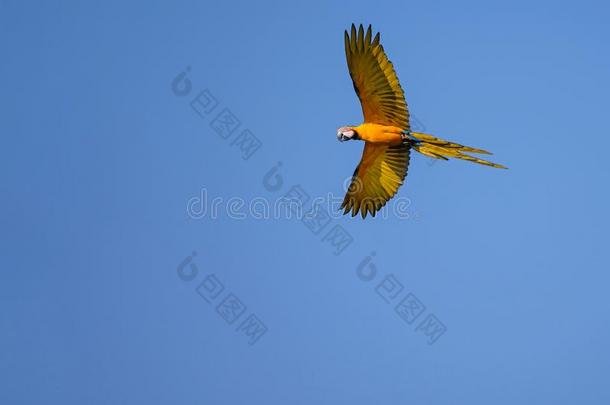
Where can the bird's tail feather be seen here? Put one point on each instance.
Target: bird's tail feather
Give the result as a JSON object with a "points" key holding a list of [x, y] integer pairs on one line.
{"points": [[441, 149]]}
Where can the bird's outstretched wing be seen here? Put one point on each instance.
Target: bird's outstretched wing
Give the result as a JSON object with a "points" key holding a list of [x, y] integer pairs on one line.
{"points": [[375, 81], [377, 178]]}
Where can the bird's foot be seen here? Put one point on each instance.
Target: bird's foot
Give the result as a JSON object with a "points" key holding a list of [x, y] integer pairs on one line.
{"points": [[408, 138]]}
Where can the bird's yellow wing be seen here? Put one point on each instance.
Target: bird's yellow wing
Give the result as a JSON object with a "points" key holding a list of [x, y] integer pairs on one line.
{"points": [[379, 174], [375, 81]]}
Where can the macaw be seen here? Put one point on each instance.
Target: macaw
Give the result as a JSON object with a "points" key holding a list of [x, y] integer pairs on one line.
{"points": [[386, 132]]}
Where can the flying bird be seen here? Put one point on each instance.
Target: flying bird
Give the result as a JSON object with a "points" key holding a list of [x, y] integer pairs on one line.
{"points": [[386, 132]]}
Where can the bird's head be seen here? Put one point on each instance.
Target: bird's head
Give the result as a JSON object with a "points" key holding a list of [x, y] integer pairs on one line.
{"points": [[346, 133]]}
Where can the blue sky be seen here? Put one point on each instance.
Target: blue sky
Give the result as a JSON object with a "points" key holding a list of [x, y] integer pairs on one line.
{"points": [[100, 158]]}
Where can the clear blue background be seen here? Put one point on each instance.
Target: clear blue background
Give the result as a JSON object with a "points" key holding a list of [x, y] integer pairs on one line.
{"points": [[99, 159]]}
